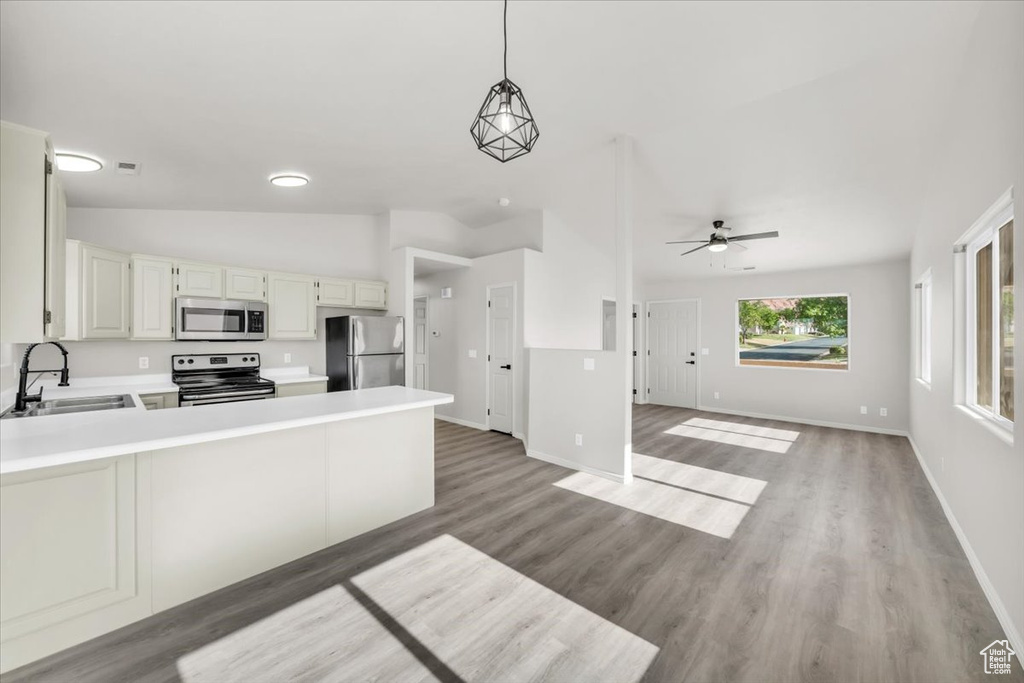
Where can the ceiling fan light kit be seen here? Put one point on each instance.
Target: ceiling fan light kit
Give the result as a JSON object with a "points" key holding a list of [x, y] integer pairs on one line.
{"points": [[504, 127], [719, 240]]}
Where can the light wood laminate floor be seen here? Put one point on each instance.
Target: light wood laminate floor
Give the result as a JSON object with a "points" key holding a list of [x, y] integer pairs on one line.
{"points": [[751, 550]]}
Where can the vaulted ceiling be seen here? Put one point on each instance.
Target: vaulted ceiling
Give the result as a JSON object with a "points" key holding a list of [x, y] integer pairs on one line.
{"points": [[815, 119]]}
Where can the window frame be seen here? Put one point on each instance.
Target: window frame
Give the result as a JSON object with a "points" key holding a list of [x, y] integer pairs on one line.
{"points": [[923, 295], [984, 232]]}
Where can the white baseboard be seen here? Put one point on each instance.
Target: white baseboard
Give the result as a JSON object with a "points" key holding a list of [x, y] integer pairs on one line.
{"points": [[1002, 614], [797, 420], [562, 462], [464, 423]]}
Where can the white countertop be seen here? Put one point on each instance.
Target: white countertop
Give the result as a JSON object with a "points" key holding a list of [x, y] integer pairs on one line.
{"points": [[34, 442], [296, 375]]}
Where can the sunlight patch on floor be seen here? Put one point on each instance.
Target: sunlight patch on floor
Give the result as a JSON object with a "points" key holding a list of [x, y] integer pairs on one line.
{"points": [[739, 428], [328, 636], [488, 622], [686, 508], [700, 479], [735, 434]]}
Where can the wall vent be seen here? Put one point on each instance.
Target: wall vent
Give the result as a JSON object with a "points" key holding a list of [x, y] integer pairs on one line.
{"points": [[128, 168]]}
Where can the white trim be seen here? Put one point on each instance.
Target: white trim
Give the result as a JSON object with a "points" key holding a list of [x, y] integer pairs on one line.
{"points": [[647, 347], [561, 462], [984, 418], [798, 420], [516, 360], [1002, 614], [461, 422]]}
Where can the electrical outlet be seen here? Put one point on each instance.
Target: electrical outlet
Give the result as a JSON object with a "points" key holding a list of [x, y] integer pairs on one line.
{"points": [[716, 395], [287, 358], [883, 412], [579, 439], [143, 362], [863, 410]]}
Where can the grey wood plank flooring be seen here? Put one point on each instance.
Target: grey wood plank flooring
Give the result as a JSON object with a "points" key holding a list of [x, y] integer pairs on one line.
{"points": [[843, 569]]}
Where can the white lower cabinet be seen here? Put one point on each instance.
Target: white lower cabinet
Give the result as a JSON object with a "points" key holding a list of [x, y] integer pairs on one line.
{"points": [[300, 389], [245, 284], [292, 306], [98, 294], [335, 292], [371, 294], [152, 298], [71, 565]]}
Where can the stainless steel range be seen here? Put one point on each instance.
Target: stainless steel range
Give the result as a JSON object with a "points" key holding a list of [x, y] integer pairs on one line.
{"points": [[205, 378]]}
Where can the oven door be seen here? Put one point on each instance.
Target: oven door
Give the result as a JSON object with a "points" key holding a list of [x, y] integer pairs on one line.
{"points": [[186, 398], [210, 320]]}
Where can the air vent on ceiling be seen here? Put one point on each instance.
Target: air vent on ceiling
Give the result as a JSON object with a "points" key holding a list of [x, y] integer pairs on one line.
{"points": [[128, 168]]}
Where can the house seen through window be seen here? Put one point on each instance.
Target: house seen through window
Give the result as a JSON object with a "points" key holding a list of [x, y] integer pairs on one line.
{"points": [[805, 332]]}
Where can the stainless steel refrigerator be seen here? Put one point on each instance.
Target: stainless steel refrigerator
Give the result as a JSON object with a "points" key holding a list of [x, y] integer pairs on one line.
{"points": [[365, 351]]}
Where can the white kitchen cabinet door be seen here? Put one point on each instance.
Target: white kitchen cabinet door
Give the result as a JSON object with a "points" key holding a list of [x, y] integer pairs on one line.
{"points": [[300, 389], [152, 298], [291, 306], [371, 294], [335, 292], [106, 293], [199, 279], [244, 284]]}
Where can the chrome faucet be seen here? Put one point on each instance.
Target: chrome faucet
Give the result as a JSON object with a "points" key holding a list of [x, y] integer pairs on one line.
{"points": [[23, 398]]}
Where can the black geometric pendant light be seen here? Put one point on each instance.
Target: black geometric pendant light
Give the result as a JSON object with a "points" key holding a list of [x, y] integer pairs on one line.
{"points": [[504, 126]]}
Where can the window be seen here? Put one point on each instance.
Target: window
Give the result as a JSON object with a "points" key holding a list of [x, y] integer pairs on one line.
{"points": [[802, 332], [923, 323], [989, 299]]}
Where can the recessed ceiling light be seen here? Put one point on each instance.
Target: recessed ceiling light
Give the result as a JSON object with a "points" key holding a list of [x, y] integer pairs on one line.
{"points": [[77, 163], [289, 180], [504, 201]]}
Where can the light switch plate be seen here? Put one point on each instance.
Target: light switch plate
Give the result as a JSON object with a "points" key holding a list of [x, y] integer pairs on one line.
{"points": [[143, 362], [588, 363], [705, 352], [883, 412], [472, 353]]}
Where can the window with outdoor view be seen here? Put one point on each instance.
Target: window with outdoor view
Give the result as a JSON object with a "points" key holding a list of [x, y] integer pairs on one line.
{"points": [[801, 332], [990, 329]]}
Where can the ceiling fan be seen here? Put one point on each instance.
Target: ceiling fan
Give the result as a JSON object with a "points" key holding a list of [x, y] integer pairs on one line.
{"points": [[720, 241]]}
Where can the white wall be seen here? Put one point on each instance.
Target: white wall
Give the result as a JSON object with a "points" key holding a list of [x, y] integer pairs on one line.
{"points": [[980, 154], [316, 244], [879, 347], [462, 324]]}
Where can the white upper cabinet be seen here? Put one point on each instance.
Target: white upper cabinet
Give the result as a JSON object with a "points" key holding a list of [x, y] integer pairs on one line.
{"points": [[291, 306], [199, 279], [152, 298], [371, 294], [99, 293], [31, 237], [335, 292], [244, 284]]}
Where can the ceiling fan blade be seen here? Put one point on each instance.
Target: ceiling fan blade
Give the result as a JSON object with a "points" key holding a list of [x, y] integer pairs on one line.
{"points": [[703, 246], [738, 247], [688, 242], [755, 236]]}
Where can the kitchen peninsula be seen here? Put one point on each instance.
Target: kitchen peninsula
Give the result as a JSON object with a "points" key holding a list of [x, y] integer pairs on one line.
{"points": [[144, 510]]}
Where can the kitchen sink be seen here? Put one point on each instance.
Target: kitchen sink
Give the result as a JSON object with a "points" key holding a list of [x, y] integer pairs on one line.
{"points": [[66, 406]]}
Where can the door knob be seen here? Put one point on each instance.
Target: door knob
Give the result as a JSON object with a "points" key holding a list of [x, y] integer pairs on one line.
{"points": [[506, 367], [691, 362]]}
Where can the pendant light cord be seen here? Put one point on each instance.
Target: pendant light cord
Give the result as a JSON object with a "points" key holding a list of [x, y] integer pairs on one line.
{"points": [[505, 31]]}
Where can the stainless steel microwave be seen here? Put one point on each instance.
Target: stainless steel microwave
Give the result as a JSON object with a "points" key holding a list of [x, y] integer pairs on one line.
{"points": [[198, 319]]}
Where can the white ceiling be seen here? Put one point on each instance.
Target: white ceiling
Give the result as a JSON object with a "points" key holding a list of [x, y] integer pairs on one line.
{"points": [[816, 119]]}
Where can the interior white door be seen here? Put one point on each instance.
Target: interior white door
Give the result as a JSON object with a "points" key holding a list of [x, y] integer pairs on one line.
{"points": [[672, 332], [501, 308], [636, 353], [421, 341]]}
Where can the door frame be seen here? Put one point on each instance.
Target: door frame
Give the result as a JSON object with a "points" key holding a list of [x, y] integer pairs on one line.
{"points": [[647, 345], [487, 353], [426, 340]]}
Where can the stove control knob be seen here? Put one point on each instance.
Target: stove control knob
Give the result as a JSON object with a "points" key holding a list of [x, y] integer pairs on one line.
{"points": [[181, 362], [245, 360], [190, 361]]}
